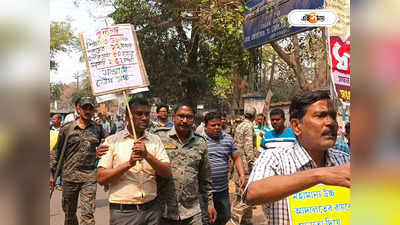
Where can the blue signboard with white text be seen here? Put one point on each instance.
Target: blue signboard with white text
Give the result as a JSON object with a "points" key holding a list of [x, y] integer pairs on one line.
{"points": [[266, 20]]}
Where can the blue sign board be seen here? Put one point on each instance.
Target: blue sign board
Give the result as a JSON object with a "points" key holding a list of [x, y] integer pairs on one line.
{"points": [[266, 20]]}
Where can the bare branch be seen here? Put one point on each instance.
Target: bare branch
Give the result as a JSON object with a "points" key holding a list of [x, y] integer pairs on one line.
{"points": [[182, 35]]}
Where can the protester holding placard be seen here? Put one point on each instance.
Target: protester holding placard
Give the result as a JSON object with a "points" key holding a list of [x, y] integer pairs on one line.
{"points": [[130, 167], [280, 173]]}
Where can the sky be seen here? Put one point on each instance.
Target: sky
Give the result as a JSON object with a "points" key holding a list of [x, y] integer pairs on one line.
{"points": [[85, 17]]}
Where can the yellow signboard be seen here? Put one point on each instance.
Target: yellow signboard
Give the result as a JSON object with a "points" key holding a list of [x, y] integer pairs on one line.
{"points": [[320, 205], [53, 139]]}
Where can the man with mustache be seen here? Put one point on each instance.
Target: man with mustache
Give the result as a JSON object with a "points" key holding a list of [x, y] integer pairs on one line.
{"points": [[78, 169], [191, 175], [311, 160], [221, 148]]}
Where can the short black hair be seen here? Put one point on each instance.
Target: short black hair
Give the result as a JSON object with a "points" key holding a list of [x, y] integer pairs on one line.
{"points": [[301, 101], [347, 128], [277, 111], [77, 100], [260, 114], [162, 106], [210, 116], [223, 114], [184, 104], [138, 100]]}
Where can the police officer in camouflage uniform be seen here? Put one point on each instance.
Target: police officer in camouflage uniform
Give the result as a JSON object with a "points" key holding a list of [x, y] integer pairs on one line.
{"points": [[245, 140], [78, 171], [191, 174]]}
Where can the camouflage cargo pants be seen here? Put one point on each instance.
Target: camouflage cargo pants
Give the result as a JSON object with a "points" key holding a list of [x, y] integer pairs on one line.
{"points": [[238, 206], [87, 193]]}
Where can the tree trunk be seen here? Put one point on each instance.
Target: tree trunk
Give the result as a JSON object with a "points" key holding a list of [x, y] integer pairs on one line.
{"points": [[321, 79], [271, 77], [293, 60]]}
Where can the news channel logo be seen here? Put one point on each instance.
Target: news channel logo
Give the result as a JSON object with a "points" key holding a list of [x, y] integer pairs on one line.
{"points": [[312, 18]]}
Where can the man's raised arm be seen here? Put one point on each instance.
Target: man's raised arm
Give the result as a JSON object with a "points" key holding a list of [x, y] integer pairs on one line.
{"points": [[275, 188]]}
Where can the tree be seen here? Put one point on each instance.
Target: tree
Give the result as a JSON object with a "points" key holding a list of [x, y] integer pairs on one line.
{"points": [[56, 90], [176, 45], [83, 88], [306, 55], [62, 39]]}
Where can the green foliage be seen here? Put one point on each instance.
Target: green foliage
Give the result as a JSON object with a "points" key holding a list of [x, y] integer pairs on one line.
{"points": [[223, 84], [61, 39], [84, 88], [56, 90], [191, 50]]}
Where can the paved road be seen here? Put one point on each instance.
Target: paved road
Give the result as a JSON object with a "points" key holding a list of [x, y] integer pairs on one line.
{"points": [[102, 213]]}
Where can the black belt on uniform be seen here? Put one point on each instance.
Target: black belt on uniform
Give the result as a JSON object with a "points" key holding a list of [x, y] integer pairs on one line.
{"points": [[122, 207]]}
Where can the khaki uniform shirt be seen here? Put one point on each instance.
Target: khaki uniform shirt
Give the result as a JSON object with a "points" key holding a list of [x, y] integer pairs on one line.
{"points": [[191, 175], [138, 185]]}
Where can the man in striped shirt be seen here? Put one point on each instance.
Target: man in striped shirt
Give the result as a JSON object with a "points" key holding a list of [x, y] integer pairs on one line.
{"points": [[221, 147], [311, 160]]}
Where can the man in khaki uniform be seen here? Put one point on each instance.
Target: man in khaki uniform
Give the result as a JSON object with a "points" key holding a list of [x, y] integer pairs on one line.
{"points": [[191, 175], [245, 140], [130, 168]]}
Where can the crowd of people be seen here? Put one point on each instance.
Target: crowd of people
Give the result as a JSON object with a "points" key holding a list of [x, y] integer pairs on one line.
{"points": [[172, 172]]}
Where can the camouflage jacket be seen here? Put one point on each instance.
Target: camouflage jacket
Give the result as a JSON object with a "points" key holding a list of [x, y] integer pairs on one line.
{"points": [[191, 175], [79, 164], [245, 140]]}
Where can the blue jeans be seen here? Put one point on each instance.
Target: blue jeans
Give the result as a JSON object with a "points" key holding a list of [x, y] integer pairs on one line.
{"points": [[222, 204]]}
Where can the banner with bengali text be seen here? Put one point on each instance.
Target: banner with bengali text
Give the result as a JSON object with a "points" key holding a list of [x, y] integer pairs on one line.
{"points": [[339, 41], [113, 59], [320, 205]]}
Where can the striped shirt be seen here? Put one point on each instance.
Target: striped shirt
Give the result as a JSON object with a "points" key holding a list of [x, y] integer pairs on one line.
{"points": [[219, 152], [285, 161], [341, 145], [264, 129], [272, 139]]}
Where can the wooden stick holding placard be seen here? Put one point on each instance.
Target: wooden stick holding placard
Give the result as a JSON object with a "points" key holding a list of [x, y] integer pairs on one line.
{"points": [[130, 115], [133, 129]]}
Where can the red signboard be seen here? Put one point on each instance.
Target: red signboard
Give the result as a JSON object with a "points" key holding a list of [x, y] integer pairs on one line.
{"points": [[340, 56]]}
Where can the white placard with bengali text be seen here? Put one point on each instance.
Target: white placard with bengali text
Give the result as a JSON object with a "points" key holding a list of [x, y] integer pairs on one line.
{"points": [[113, 59]]}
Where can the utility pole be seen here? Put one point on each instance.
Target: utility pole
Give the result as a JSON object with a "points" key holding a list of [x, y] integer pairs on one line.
{"points": [[76, 76]]}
